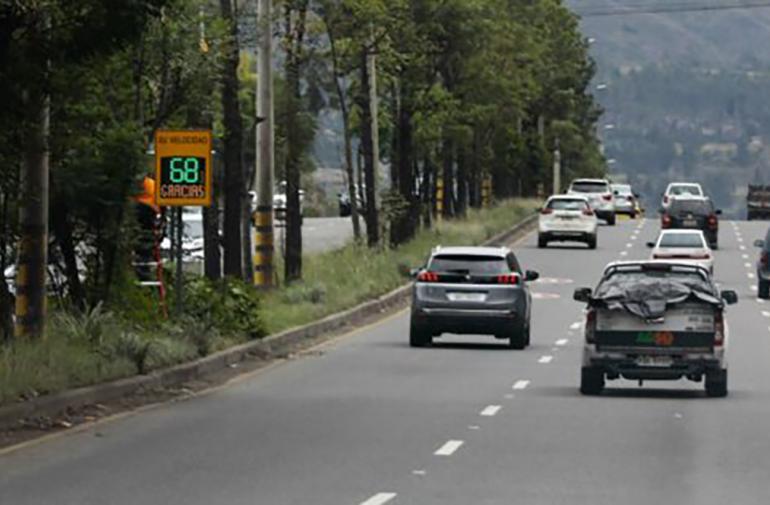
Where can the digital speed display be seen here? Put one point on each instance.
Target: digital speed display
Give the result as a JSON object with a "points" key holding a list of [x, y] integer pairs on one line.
{"points": [[183, 161]]}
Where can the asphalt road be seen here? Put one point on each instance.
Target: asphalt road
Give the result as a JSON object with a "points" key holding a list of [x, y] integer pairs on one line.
{"points": [[371, 421]]}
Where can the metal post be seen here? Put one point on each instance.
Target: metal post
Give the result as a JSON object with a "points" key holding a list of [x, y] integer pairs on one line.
{"points": [[439, 198], [178, 277], [556, 169], [374, 108], [263, 216]]}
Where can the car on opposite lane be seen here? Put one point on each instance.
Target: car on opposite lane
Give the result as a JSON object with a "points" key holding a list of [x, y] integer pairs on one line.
{"points": [[763, 267], [567, 218], [683, 245], [599, 195], [694, 213], [655, 320], [471, 290], [681, 190], [625, 200]]}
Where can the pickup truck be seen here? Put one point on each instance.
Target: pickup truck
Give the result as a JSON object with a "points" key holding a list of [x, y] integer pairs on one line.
{"points": [[655, 320], [758, 202]]}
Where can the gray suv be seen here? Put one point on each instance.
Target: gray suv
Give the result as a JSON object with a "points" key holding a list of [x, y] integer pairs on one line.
{"points": [[763, 267], [471, 290]]}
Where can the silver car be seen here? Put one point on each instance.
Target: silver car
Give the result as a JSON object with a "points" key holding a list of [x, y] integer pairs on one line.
{"points": [[471, 290]]}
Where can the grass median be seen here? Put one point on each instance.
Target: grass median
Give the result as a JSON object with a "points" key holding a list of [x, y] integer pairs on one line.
{"points": [[338, 280], [129, 338]]}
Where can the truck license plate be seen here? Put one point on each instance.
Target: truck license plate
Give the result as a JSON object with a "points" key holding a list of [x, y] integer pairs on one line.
{"points": [[655, 361], [690, 222]]}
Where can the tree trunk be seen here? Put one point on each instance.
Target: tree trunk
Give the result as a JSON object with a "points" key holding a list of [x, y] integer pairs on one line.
{"points": [[403, 228], [370, 174], [33, 220], [447, 156], [347, 135], [462, 182], [295, 33], [233, 155], [63, 232]]}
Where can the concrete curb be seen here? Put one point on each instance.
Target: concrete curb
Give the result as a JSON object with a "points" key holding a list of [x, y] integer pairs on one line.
{"points": [[277, 345]]}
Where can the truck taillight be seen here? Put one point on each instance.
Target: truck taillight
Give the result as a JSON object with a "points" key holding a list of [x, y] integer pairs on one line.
{"points": [[428, 277], [719, 329], [512, 279], [665, 221], [588, 212], [763, 259], [713, 221], [546, 211], [607, 197], [590, 330]]}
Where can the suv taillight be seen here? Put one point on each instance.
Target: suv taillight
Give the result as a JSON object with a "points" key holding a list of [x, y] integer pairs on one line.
{"points": [[590, 330], [607, 197], [719, 329], [428, 277], [665, 221], [546, 211], [588, 212], [512, 279]]}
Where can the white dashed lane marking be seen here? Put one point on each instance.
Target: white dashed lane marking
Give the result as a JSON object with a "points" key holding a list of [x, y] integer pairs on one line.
{"points": [[766, 313], [742, 247], [379, 499], [747, 265], [750, 275], [745, 256], [522, 384], [490, 410], [575, 326], [449, 448], [544, 360], [564, 341], [624, 253]]}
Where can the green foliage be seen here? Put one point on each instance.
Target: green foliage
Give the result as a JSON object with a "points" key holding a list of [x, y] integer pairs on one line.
{"points": [[231, 306]]}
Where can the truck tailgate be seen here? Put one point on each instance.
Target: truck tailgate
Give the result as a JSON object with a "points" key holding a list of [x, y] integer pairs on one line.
{"points": [[685, 328]]}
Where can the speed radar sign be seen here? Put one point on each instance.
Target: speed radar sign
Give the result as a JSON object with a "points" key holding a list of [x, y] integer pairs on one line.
{"points": [[183, 168]]}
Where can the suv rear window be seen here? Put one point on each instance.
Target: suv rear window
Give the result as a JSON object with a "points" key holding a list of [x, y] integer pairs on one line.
{"points": [[562, 204], [685, 189], [590, 187], [469, 264], [699, 207]]}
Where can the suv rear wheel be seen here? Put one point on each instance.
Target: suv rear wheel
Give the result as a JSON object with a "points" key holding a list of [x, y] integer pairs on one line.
{"points": [[591, 380], [419, 337], [591, 242], [520, 338], [542, 241]]}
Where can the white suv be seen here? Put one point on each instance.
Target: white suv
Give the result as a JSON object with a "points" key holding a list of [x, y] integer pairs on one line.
{"points": [[567, 217], [599, 195]]}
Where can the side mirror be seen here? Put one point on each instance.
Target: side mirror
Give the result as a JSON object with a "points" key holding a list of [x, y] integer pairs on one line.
{"points": [[531, 275], [718, 212], [582, 295], [730, 297], [651, 245], [759, 243]]}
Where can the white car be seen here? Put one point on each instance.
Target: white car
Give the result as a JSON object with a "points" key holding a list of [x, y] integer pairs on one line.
{"points": [[681, 190], [688, 246], [599, 195], [567, 217]]}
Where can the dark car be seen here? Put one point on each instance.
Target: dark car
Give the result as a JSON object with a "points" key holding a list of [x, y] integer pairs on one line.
{"points": [[763, 267], [472, 290], [693, 214]]}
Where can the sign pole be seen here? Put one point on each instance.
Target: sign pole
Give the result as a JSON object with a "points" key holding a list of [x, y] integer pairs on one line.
{"points": [[179, 276]]}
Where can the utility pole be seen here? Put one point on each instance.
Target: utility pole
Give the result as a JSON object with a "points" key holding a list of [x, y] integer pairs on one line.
{"points": [[33, 212], [556, 169], [373, 112], [263, 217]]}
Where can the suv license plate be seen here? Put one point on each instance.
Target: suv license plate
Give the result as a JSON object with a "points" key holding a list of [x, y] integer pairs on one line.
{"points": [[690, 222], [655, 361], [467, 297]]}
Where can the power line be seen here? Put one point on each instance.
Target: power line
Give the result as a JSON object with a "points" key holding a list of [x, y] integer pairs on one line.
{"points": [[668, 8]]}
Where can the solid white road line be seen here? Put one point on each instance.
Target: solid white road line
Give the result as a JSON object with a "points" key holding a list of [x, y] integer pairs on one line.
{"points": [[490, 410], [575, 326], [562, 341], [544, 360], [449, 448], [522, 384], [379, 499]]}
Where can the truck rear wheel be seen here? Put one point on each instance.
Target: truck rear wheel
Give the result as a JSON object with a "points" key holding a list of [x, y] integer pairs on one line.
{"points": [[716, 383], [763, 290], [591, 380]]}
